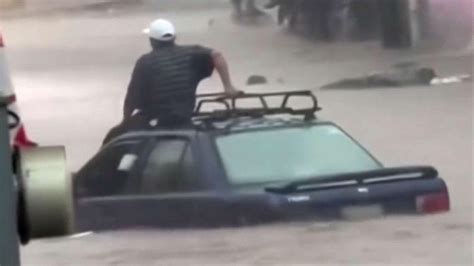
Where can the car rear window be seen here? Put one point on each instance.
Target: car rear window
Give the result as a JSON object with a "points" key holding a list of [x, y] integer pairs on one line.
{"points": [[291, 154]]}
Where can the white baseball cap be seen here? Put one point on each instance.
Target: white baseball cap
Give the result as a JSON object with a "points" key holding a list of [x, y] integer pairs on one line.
{"points": [[161, 30]]}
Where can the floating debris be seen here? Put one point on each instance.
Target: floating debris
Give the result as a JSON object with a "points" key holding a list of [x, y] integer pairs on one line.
{"points": [[401, 75], [256, 79], [451, 79], [80, 235]]}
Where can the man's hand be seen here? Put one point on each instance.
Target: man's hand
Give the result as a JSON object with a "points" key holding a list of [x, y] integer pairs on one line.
{"points": [[231, 91]]}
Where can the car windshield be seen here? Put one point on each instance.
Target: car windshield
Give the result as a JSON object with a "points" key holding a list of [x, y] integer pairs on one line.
{"points": [[291, 154]]}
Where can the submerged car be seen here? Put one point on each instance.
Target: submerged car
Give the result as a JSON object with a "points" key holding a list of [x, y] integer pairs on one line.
{"points": [[240, 166]]}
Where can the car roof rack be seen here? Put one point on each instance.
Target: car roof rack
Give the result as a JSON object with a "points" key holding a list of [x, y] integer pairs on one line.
{"points": [[231, 110]]}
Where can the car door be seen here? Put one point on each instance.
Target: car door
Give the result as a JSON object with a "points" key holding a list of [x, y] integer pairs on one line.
{"points": [[105, 177], [111, 171], [167, 179], [171, 182]]}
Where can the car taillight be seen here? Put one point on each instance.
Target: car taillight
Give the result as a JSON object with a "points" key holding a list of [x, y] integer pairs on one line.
{"points": [[433, 203]]}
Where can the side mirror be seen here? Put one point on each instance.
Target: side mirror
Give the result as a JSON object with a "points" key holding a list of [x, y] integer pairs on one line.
{"points": [[45, 201]]}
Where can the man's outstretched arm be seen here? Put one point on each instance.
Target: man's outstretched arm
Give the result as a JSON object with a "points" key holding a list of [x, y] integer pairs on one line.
{"points": [[223, 69]]}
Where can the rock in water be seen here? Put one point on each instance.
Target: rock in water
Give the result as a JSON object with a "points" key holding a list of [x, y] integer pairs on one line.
{"points": [[256, 79]]}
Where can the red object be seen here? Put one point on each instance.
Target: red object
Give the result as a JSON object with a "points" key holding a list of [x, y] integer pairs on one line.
{"points": [[22, 140], [11, 99], [433, 203]]}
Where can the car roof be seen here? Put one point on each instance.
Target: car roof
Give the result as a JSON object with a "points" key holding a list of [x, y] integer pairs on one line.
{"points": [[230, 126], [233, 119]]}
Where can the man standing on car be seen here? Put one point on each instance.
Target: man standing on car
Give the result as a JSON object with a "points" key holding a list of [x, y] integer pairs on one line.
{"points": [[164, 81]]}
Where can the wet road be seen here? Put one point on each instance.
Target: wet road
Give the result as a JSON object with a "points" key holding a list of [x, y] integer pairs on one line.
{"points": [[71, 73]]}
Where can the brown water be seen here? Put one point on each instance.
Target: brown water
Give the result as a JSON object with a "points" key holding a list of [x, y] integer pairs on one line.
{"points": [[71, 74]]}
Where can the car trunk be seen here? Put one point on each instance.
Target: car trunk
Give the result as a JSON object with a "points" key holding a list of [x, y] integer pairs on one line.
{"points": [[410, 191]]}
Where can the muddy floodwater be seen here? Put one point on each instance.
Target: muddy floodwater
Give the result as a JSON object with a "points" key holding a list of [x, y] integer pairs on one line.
{"points": [[71, 71]]}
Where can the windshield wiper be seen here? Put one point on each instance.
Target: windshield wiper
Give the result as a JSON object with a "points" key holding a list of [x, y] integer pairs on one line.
{"points": [[357, 178]]}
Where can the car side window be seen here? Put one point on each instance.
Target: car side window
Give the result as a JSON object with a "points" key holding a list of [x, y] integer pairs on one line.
{"points": [[109, 172], [170, 168]]}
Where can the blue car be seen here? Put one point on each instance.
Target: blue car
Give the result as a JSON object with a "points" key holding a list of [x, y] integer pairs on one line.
{"points": [[246, 165]]}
